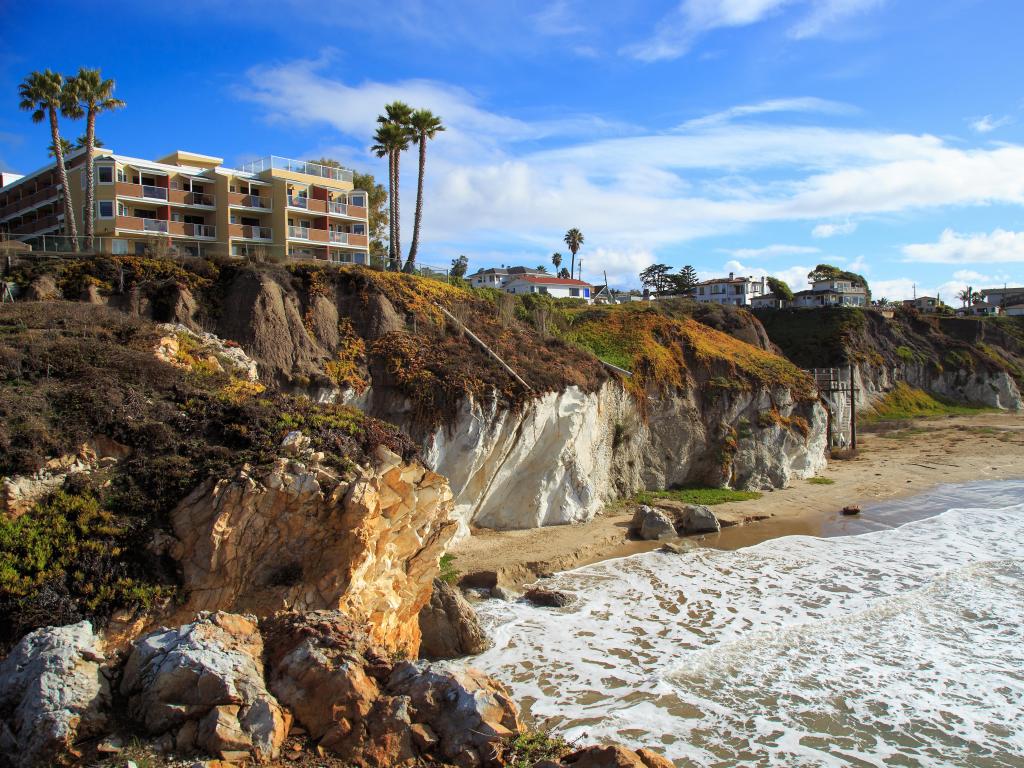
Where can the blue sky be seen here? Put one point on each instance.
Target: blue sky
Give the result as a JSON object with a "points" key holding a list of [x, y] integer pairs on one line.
{"points": [[755, 136]]}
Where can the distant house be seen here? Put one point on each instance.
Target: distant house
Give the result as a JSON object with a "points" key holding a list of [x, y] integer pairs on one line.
{"points": [[558, 287], [767, 301], [833, 292], [603, 295], [999, 297], [924, 303], [496, 277], [1014, 310], [729, 290]]}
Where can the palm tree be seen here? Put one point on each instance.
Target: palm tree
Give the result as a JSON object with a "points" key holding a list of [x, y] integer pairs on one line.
{"points": [[424, 126], [66, 148], [556, 259], [573, 239], [81, 141], [964, 296], [392, 139], [90, 95], [43, 94]]}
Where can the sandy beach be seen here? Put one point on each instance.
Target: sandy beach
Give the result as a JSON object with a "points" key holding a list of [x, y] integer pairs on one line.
{"points": [[892, 463]]}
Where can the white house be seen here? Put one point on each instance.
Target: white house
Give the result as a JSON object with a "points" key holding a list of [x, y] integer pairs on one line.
{"points": [[730, 290], [496, 277], [924, 303], [767, 301], [1014, 310], [834, 292], [557, 287]]}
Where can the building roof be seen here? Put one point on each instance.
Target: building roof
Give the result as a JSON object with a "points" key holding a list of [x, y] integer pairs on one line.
{"points": [[727, 280], [1001, 290], [542, 280]]}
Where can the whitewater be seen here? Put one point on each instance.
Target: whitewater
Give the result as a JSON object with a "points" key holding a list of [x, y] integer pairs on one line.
{"points": [[898, 646]]}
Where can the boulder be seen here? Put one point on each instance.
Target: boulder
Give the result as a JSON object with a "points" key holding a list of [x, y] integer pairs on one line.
{"points": [[615, 756], [696, 518], [548, 598], [467, 711], [206, 678], [53, 693], [652, 524], [449, 625]]}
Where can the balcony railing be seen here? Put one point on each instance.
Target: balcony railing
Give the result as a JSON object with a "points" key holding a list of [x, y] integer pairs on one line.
{"points": [[201, 230], [154, 193], [251, 232], [154, 225], [248, 201], [333, 207], [297, 166], [299, 233], [297, 201], [338, 237]]}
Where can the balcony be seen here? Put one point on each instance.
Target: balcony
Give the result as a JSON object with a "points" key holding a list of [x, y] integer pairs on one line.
{"points": [[297, 166], [238, 200], [297, 201], [184, 197], [36, 225], [250, 232], [28, 202], [154, 225], [184, 229], [144, 191]]}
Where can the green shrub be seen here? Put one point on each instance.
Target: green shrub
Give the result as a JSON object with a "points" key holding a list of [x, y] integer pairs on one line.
{"points": [[526, 749], [821, 481], [698, 495], [448, 572]]}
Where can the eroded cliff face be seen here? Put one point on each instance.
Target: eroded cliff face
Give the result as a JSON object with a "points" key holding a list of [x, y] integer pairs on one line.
{"points": [[296, 536], [565, 455]]}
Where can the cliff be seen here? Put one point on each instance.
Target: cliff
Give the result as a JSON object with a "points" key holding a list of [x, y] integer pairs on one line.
{"points": [[973, 361], [709, 400]]}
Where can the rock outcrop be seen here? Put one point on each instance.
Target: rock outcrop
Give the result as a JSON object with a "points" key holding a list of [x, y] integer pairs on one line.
{"points": [[449, 626], [672, 518], [296, 535], [614, 756], [53, 693], [651, 524], [203, 683]]}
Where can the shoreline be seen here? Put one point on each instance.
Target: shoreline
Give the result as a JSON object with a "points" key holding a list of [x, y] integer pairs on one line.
{"points": [[906, 460]]}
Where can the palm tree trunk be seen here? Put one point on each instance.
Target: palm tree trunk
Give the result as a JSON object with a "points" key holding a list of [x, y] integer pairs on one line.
{"points": [[572, 268], [397, 212], [391, 211], [410, 263], [90, 180], [70, 227]]}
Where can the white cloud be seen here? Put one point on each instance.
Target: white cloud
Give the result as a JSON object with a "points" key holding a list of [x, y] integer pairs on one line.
{"points": [[826, 15], [557, 20], [897, 289], [800, 104], [772, 250], [987, 123], [676, 32], [999, 246], [831, 230]]}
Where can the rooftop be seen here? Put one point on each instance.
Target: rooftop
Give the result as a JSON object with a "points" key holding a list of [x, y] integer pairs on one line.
{"points": [[297, 166], [542, 280]]}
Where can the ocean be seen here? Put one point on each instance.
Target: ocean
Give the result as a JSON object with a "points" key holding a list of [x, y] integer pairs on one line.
{"points": [[900, 643]]}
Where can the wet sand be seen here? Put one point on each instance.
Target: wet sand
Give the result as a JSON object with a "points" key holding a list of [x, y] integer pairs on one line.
{"points": [[892, 464]]}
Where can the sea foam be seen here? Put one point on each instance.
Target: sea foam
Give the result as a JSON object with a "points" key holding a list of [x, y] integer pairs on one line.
{"points": [[901, 646]]}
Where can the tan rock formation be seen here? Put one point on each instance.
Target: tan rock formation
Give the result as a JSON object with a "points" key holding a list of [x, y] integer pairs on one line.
{"points": [[300, 537]]}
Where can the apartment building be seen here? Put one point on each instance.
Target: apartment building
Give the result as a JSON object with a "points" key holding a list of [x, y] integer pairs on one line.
{"points": [[190, 203], [729, 290]]}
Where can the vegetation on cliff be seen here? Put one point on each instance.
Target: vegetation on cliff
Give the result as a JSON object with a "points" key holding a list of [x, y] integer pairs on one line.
{"points": [[907, 402], [72, 372]]}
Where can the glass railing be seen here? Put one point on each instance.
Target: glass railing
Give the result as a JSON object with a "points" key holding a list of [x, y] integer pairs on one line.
{"points": [[299, 232], [338, 237], [199, 198], [157, 193], [201, 230], [256, 233], [334, 207], [297, 201], [297, 166], [154, 225]]}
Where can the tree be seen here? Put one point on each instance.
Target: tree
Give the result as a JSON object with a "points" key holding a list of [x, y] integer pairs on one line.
{"points": [[392, 138], [965, 296], [574, 239], [542, 268], [780, 288], [44, 94], [687, 280], [556, 259], [564, 273], [65, 147], [423, 125], [655, 277], [459, 267], [90, 95]]}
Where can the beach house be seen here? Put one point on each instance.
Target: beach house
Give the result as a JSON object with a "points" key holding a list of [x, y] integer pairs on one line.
{"points": [[729, 290]]}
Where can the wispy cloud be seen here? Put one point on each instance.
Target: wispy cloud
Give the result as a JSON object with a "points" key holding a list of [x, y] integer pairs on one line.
{"points": [[998, 246], [778, 249], [831, 230], [557, 19], [809, 104], [987, 123], [675, 33]]}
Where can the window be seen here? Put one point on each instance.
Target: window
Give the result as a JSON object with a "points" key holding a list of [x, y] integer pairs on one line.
{"points": [[119, 247], [574, 292], [105, 209], [122, 209], [105, 174], [120, 175], [234, 218]]}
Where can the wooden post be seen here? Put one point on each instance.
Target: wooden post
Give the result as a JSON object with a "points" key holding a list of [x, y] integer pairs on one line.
{"points": [[853, 408]]}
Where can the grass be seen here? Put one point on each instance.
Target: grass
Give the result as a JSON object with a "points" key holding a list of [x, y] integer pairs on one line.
{"points": [[530, 747], [906, 402], [821, 481], [707, 496], [448, 572]]}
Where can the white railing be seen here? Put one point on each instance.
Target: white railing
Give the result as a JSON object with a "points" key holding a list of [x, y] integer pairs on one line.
{"points": [[257, 233], [154, 225], [297, 166], [297, 201], [156, 193], [200, 198], [338, 237], [301, 233], [334, 207]]}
